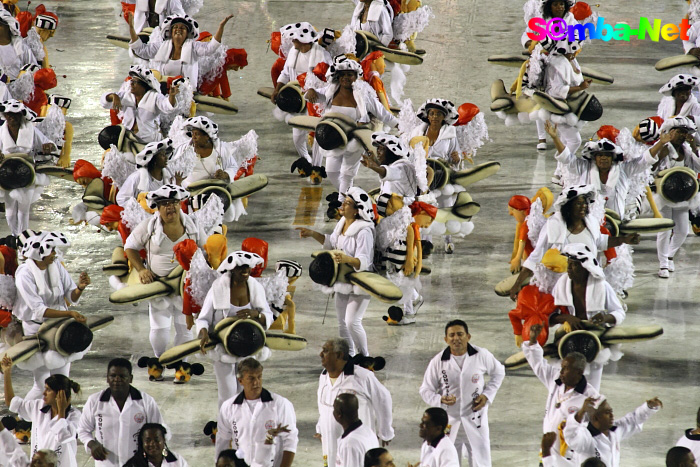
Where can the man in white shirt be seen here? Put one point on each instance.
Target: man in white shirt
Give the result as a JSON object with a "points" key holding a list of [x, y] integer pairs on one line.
{"points": [[379, 457], [455, 380], [567, 388], [254, 416], [357, 438], [691, 438], [679, 456], [112, 418], [437, 449], [593, 431], [343, 376]]}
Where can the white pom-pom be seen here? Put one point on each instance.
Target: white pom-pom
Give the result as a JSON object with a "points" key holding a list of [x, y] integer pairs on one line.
{"points": [[448, 190], [453, 226], [511, 120], [436, 192], [467, 228], [438, 228], [524, 117]]}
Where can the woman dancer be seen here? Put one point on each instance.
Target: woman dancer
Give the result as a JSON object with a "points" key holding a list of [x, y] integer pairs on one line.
{"points": [[152, 451]]}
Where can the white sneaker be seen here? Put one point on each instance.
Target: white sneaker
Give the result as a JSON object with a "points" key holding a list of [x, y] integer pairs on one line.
{"points": [[408, 320], [417, 303], [541, 146], [663, 273], [671, 266]]}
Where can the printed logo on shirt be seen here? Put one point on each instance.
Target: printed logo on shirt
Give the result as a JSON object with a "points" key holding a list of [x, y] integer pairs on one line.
{"points": [[139, 418], [573, 409], [475, 378], [270, 425]]}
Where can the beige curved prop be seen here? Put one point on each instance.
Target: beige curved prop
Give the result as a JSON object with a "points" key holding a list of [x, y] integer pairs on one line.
{"points": [[196, 187], [119, 41], [55, 171], [136, 292], [502, 289], [214, 105], [247, 185], [464, 206], [377, 286], [304, 122], [93, 197], [224, 333], [393, 55], [119, 266], [547, 102], [475, 174], [664, 174], [513, 61], [282, 341], [598, 77], [677, 61], [646, 226], [266, 92], [24, 350], [571, 334], [26, 159]]}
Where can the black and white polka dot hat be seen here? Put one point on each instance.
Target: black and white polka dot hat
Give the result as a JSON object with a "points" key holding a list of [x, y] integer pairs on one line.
{"points": [[679, 81], [391, 142], [566, 47], [240, 258], [151, 149], [204, 124], [572, 192], [363, 202], [40, 246], [447, 107], [343, 63], [192, 26], [679, 122], [304, 32], [166, 192], [591, 148], [583, 254], [145, 75], [16, 107]]}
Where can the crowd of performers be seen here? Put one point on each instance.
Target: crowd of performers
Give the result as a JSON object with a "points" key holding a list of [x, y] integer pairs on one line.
{"points": [[170, 185]]}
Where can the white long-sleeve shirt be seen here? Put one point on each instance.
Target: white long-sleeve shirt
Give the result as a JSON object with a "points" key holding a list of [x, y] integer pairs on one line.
{"points": [[691, 442], [559, 76], [357, 242], [442, 455], [378, 22], [353, 444], [560, 401], [600, 298], [116, 430], [374, 399], [445, 144], [163, 8], [146, 114], [130, 187], [11, 453], [444, 377], [587, 441], [243, 427], [298, 63], [56, 434], [401, 179]]}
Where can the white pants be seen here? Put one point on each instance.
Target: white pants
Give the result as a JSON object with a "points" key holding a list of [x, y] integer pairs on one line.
{"points": [[595, 374], [473, 436], [341, 164], [226, 381], [541, 133], [17, 215], [299, 137], [666, 245], [161, 313], [570, 136], [350, 309], [40, 375]]}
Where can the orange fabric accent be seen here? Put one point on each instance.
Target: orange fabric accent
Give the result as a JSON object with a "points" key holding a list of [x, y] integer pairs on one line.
{"points": [[84, 168], [5, 318], [276, 43], [259, 247], [301, 79], [533, 307], [128, 8], [367, 61], [522, 235], [610, 253], [111, 213], [419, 206], [25, 20], [236, 57], [246, 171], [416, 232], [320, 70], [276, 70], [520, 202], [107, 190], [189, 307], [10, 256], [608, 131], [581, 11], [466, 113], [114, 117], [184, 251]]}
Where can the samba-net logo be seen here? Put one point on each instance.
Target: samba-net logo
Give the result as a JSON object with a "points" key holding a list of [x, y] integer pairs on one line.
{"points": [[557, 30]]}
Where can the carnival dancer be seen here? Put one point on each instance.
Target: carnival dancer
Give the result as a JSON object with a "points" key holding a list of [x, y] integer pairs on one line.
{"points": [[14, 53], [355, 99], [179, 52], [572, 222], [455, 380], [678, 100], [603, 165], [676, 148], [153, 13], [353, 236], [341, 375], [393, 165], [233, 294], [54, 420], [19, 135], [141, 105], [374, 16], [158, 236], [151, 171], [45, 290], [305, 55]]}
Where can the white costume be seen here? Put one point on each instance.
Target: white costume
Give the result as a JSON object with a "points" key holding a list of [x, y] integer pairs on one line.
{"points": [[401, 179], [161, 261], [445, 144], [691, 442], [243, 424], [163, 8], [560, 402], [116, 430], [587, 441], [559, 77], [378, 21], [464, 377], [375, 406], [16, 54], [18, 202], [11, 453], [444, 454], [56, 434], [353, 444], [146, 114], [217, 306], [351, 301], [132, 186]]}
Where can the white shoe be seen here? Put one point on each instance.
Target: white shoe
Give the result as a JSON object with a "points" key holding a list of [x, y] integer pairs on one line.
{"points": [[408, 320], [671, 266], [417, 303], [541, 146], [663, 273], [449, 248]]}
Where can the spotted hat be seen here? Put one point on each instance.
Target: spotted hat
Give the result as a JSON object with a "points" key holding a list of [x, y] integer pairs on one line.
{"points": [[145, 75], [7, 18], [583, 254], [447, 107], [151, 149], [164, 193], [572, 192], [240, 258], [303, 32], [650, 129], [363, 202], [46, 22], [678, 122], [204, 124], [343, 63], [391, 142], [291, 268], [60, 101], [566, 47], [192, 26], [548, 44], [16, 107], [41, 245], [679, 81], [591, 148]]}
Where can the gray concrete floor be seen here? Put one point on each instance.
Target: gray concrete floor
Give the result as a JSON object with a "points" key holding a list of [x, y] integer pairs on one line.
{"points": [[460, 38]]}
